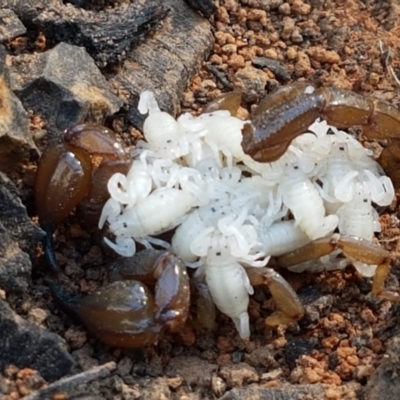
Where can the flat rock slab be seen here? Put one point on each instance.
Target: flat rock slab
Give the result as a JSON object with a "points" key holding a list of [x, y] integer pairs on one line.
{"points": [[64, 86], [167, 61], [106, 35], [24, 344]]}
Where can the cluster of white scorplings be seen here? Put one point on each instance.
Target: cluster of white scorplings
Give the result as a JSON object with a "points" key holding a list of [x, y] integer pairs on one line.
{"points": [[232, 212]]}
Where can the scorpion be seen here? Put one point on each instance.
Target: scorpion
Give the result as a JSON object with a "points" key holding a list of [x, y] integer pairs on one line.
{"points": [[75, 171]]}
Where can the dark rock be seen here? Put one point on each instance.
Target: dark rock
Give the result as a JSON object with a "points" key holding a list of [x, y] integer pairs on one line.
{"points": [[10, 25], [24, 344], [384, 382], [15, 219], [106, 35], [16, 143], [221, 75], [274, 66], [15, 265], [64, 86], [18, 236], [205, 7], [167, 61], [295, 348], [316, 305]]}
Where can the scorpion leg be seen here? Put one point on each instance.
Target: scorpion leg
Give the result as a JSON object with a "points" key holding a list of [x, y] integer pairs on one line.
{"points": [[310, 251], [370, 253], [354, 248], [286, 299], [378, 284], [205, 304]]}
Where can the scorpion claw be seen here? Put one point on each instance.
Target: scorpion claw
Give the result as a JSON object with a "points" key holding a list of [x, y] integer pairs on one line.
{"points": [[125, 313], [74, 171]]}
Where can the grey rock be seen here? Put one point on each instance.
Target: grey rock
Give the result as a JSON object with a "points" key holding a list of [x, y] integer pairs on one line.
{"points": [[64, 86], [27, 10], [221, 75], [18, 238], [193, 370], [287, 392], [15, 219], [297, 347], [24, 344], [10, 25], [167, 61], [15, 265], [384, 382], [266, 5], [16, 143], [316, 306], [251, 83], [106, 35]]}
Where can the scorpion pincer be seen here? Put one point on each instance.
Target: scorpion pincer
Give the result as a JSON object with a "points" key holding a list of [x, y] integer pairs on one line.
{"points": [[287, 113], [74, 171], [125, 312]]}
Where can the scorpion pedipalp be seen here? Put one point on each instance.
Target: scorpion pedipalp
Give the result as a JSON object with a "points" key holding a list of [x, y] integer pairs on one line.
{"points": [[125, 313], [355, 249], [74, 171], [287, 113]]}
